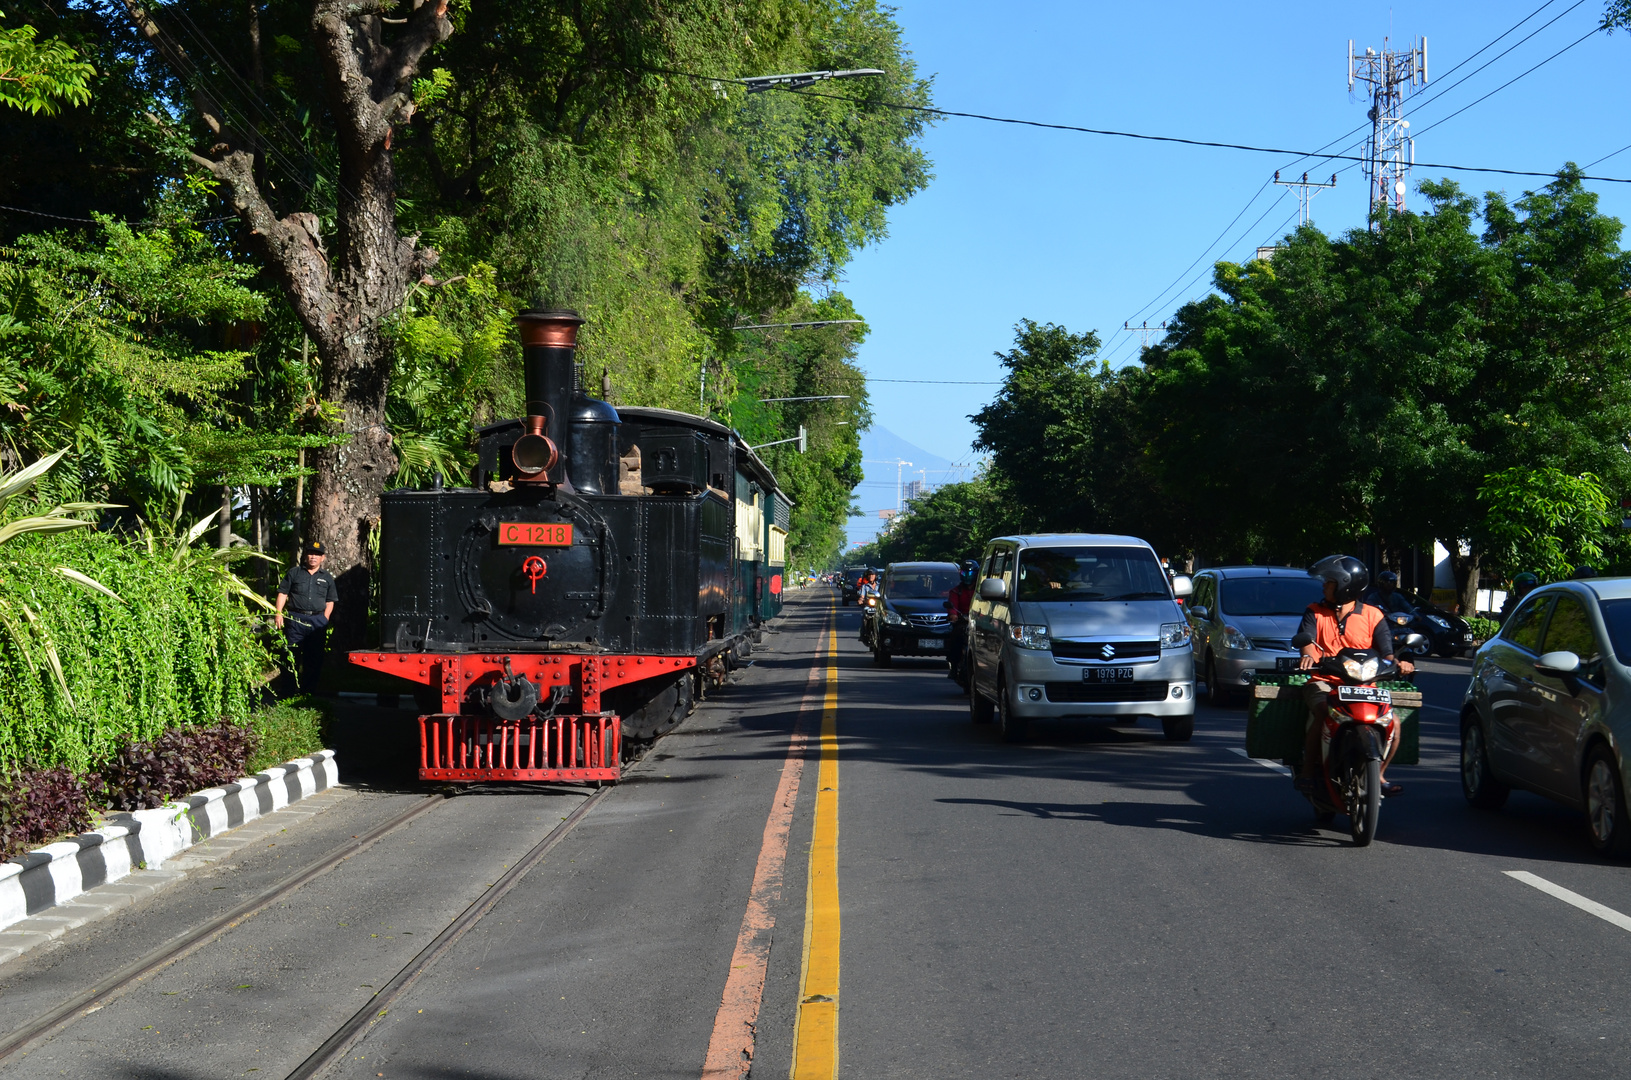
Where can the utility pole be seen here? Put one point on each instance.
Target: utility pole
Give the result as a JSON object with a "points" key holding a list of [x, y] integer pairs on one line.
{"points": [[1390, 75], [1144, 332], [1306, 191]]}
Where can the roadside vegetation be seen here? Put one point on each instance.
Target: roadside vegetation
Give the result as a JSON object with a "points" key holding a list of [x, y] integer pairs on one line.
{"points": [[1463, 373]]}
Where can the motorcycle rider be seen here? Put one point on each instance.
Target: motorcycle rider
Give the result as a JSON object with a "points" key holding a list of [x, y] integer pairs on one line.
{"points": [[1522, 585], [867, 586], [958, 601], [1340, 621], [1385, 594]]}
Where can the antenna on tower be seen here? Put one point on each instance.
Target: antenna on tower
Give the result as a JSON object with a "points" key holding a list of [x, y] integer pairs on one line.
{"points": [[1390, 75]]}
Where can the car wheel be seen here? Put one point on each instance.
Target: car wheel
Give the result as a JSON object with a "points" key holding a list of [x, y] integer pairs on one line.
{"points": [[1178, 728], [1605, 804], [979, 709], [1013, 727], [1215, 693], [1478, 783]]}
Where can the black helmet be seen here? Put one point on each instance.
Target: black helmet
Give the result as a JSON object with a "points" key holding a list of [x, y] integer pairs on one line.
{"points": [[1387, 577], [1347, 573]]}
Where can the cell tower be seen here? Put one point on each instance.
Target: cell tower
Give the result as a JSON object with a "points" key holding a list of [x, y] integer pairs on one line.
{"points": [[1390, 75]]}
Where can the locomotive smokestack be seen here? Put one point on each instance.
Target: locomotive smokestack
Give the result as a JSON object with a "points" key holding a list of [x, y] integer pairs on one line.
{"points": [[549, 342]]}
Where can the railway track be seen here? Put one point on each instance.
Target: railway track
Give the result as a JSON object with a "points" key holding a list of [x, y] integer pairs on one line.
{"points": [[20, 1041]]}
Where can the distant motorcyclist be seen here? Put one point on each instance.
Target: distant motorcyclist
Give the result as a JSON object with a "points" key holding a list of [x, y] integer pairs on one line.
{"points": [[1340, 621], [867, 586], [1522, 585], [958, 601], [1385, 594]]}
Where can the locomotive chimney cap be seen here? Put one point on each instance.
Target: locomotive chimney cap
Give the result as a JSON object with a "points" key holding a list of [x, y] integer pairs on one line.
{"points": [[557, 329]]}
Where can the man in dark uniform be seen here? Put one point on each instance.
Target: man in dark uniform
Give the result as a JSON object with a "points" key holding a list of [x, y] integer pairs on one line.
{"points": [[309, 593]]}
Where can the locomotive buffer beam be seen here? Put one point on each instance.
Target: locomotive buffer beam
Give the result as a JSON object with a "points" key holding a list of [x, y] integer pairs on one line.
{"points": [[510, 716]]}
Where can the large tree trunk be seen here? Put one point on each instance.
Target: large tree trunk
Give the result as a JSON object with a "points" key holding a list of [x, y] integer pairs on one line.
{"points": [[1466, 568], [343, 295]]}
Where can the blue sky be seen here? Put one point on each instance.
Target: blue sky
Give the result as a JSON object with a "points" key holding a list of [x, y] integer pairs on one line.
{"points": [[1087, 230]]}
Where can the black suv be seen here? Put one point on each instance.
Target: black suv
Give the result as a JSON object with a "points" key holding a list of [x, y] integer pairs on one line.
{"points": [[911, 618]]}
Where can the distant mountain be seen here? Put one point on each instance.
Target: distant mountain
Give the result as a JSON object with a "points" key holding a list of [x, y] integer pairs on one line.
{"points": [[880, 449]]}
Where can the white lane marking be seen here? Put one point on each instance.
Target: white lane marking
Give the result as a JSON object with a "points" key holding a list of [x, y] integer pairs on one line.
{"points": [[1263, 761], [1607, 914], [1443, 708]]}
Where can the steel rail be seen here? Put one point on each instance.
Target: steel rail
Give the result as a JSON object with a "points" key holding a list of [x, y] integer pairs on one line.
{"points": [[84, 1003], [336, 1046]]}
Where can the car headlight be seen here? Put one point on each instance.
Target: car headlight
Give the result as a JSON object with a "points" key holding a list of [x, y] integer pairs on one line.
{"points": [[1361, 671], [892, 618], [1176, 634], [1030, 637], [1232, 638], [1442, 624]]}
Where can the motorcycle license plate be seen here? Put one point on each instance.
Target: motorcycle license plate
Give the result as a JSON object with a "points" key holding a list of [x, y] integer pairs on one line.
{"points": [[1107, 674], [1373, 695]]}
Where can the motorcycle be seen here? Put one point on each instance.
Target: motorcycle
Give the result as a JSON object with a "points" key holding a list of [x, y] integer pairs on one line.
{"points": [[1447, 634], [1359, 731], [869, 614]]}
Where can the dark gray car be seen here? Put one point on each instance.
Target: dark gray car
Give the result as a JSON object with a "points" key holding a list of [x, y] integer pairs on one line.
{"points": [[1549, 706]]}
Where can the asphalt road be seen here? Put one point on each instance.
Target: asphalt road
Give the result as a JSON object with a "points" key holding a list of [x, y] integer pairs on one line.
{"points": [[1097, 902]]}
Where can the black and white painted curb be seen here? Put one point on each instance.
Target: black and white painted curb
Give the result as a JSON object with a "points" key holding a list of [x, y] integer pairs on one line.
{"points": [[143, 839]]}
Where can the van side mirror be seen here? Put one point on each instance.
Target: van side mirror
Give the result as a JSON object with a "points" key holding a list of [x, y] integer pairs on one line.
{"points": [[1182, 586], [993, 588]]}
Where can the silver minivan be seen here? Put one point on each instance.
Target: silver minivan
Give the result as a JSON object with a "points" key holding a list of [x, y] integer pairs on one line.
{"points": [[1079, 625], [1244, 618]]}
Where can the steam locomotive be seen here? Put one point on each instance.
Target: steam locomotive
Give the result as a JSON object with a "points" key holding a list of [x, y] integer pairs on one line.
{"points": [[602, 570]]}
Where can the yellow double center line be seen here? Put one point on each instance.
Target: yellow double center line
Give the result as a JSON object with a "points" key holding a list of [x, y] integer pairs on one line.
{"points": [[815, 1034]]}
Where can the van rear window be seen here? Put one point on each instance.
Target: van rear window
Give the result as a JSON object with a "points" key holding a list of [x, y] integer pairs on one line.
{"points": [[1070, 574]]}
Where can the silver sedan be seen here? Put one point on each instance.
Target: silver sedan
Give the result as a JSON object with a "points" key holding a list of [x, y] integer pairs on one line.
{"points": [[1549, 707]]}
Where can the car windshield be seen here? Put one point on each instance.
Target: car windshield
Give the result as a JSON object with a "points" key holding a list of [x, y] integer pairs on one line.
{"points": [[919, 583], [1061, 575], [1617, 617], [1268, 595]]}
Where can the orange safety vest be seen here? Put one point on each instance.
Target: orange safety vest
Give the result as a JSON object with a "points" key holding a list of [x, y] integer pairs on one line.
{"points": [[1331, 636]]}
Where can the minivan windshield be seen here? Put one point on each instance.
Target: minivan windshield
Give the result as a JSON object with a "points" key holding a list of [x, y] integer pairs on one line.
{"points": [[1269, 595], [1061, 575], [921, 583]]}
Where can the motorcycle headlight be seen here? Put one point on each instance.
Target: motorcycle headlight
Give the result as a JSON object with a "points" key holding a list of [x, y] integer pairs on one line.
{"points": [[1362, 671], [1176, 634], [1232, 638], [892, 618], [1442, 624], [1401, 620], [1030, 637]]}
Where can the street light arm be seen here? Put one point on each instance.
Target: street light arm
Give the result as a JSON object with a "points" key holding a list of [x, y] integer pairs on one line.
{"points": [[758, 84]]}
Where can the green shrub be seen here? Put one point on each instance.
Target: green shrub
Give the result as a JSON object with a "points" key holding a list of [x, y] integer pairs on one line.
{"points": [[1483, 629], [290, 729], [178, 650]]}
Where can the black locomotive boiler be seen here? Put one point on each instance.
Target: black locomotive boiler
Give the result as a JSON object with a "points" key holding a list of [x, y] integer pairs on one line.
{"points": [[602, 568]]}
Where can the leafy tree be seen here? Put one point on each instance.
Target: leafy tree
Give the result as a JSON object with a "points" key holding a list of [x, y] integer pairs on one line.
{"points": [[40, 76], [1545, 520]]}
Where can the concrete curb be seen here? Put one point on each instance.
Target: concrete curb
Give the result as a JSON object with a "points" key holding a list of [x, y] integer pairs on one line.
{"points": [[55, 874]]}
